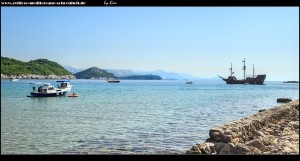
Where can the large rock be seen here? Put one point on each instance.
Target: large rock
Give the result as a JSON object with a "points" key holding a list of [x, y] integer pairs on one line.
{"points": [[219, 146], [228, 149], [285, 100], [257, 144]]}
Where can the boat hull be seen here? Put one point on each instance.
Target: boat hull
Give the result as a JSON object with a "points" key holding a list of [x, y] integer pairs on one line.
{"points": [[72, 95], [117, 81], [33, 94]]}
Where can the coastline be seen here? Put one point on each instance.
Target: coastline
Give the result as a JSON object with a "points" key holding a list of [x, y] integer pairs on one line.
{"points": [[272, 131]]}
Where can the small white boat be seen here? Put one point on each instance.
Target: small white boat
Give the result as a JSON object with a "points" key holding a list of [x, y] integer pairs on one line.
{"points": [[190, 82], [64, 84], [45, 90], [113, 81], [14, 79]]}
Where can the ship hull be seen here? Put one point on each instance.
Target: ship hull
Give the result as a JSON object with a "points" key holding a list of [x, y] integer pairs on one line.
{"points": [[259, 79], [233, 80], [229, 81]]}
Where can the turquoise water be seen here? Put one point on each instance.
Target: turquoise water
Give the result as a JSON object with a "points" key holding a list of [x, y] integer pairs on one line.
{"points": [[130, 117]]}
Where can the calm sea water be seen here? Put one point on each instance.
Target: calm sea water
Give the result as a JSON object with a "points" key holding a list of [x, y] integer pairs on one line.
{"points": [[130, 117]]}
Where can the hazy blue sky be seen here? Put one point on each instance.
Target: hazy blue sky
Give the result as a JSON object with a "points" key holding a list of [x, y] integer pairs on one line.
{"points": [[201, 41]]}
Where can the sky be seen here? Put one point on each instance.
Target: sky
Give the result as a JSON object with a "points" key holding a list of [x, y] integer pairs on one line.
{"points": [[201, 41]]}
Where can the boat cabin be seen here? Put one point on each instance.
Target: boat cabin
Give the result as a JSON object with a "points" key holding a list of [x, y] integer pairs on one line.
{"points": [[64, 84]]}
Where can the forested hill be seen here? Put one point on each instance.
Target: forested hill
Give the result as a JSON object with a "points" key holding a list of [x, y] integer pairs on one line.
{"points": [[94, 73], [10, 66]]}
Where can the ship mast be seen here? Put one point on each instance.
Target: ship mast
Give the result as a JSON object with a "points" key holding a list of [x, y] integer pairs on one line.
{"points": [[231, 70], [253, 70], [244, 68]]}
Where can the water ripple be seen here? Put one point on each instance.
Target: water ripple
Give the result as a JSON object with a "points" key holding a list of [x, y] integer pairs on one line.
{"points": [[132, 117]]}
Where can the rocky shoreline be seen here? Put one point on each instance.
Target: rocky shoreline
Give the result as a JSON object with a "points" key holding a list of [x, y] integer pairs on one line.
{"points": [[272, 131], [33, 76]]}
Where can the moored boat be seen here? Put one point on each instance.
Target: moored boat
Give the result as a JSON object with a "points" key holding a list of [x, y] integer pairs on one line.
{"points": [[14, 79], [189, 82], [45, 90], [113, 81]]}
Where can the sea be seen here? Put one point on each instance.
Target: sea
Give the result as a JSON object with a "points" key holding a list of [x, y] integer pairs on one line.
{"points": [[130, 117]]}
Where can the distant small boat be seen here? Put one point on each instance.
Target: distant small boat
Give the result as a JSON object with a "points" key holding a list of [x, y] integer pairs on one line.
{"points": [[14, 79], [113, 81], [189, 82]]}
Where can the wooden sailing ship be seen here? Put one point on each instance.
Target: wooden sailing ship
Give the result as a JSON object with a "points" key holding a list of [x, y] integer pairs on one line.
{"points": [[258, 79]]}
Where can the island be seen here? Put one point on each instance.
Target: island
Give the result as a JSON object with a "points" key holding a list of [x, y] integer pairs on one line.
{"points": [[290, 81]]}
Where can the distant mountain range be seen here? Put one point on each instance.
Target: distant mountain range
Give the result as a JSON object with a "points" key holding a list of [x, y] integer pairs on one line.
{"points": [[127, 72], [173, 75], [161, 73], [121, 73], [73, 70]]}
